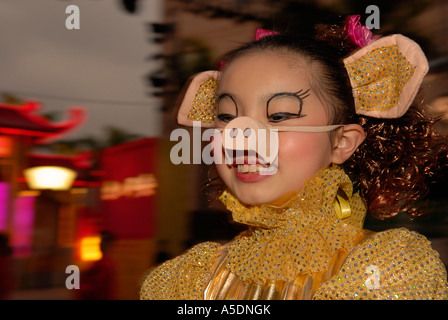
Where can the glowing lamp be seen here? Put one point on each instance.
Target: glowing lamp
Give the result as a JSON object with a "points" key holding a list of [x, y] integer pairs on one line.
{"points": [[90, 248], [49, 177]]}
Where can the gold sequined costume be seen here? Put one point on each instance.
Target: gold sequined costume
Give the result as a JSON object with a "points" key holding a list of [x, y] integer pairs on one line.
{"points": [[304, 250]]}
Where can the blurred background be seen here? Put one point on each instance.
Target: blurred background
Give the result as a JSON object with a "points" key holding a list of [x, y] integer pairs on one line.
{"points": [[96, 105]]}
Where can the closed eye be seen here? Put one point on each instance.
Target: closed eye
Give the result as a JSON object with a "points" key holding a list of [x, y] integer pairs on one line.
{"points": [[283, 116], [227, 108], [225, 117], [284, 106]]}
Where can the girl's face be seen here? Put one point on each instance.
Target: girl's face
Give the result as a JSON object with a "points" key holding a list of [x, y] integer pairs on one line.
{"points": [[274, 88]]}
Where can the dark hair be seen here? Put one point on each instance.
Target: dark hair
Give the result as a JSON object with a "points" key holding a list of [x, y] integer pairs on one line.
{"points": [[392, 168]]}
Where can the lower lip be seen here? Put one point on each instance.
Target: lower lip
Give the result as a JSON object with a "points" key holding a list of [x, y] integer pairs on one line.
{"points": [[249, 177]]}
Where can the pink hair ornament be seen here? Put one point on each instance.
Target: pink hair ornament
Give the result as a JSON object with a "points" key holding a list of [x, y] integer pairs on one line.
{"points": [[358, 33], [261, 33]]}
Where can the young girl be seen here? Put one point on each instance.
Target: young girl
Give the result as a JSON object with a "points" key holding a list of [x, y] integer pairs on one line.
{"points": [[350, 142]]}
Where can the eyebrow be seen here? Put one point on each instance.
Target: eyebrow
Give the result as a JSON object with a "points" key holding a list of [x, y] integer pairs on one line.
{"points": [[300, 95], [223, 95]]}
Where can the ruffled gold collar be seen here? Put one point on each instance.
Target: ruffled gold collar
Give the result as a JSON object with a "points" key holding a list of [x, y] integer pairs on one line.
{"points": [[300, 236]]}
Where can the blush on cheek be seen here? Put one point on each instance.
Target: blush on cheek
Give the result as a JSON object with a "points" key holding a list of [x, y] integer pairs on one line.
{"points": [[304, 151]]}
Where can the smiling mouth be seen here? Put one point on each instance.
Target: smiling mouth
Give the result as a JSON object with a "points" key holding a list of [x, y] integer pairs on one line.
{"points": [[254, 168], [253, 165]]}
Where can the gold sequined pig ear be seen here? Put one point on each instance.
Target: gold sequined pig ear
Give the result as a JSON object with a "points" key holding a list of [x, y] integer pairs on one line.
{"points": [[198, 101], [386, 75]]}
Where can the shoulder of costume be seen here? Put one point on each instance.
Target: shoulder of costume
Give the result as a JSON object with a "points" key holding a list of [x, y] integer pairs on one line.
{"points": [[164, 281], [406, 265], [411, 246]]}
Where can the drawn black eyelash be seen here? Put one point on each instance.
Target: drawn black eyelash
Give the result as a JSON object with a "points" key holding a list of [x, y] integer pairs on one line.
{"points": [[299, 95], [302, 95]]}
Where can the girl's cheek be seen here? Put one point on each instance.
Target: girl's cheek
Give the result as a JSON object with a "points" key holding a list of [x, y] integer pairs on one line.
{"points": [[294, 144], [300, 148]]}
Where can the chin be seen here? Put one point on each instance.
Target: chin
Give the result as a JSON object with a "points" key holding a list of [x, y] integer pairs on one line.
{"points": [[251, 194], [253, 200]]}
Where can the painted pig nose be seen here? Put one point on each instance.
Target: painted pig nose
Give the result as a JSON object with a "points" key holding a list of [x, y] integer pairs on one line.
{"points": [[247, 135]]}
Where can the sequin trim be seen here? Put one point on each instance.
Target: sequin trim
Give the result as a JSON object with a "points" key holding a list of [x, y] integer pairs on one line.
{"points": [[299, 237], [378, 78], [204, 104], [408, 269], [184, 277]]}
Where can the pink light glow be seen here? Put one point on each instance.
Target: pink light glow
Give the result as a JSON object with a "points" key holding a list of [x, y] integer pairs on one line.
{"points": [[4, 201], [23, 220]]}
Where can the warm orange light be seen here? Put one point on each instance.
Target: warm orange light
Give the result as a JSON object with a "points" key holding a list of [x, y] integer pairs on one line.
{"points": [[90, 248], [5, 146], [49, 177]]}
